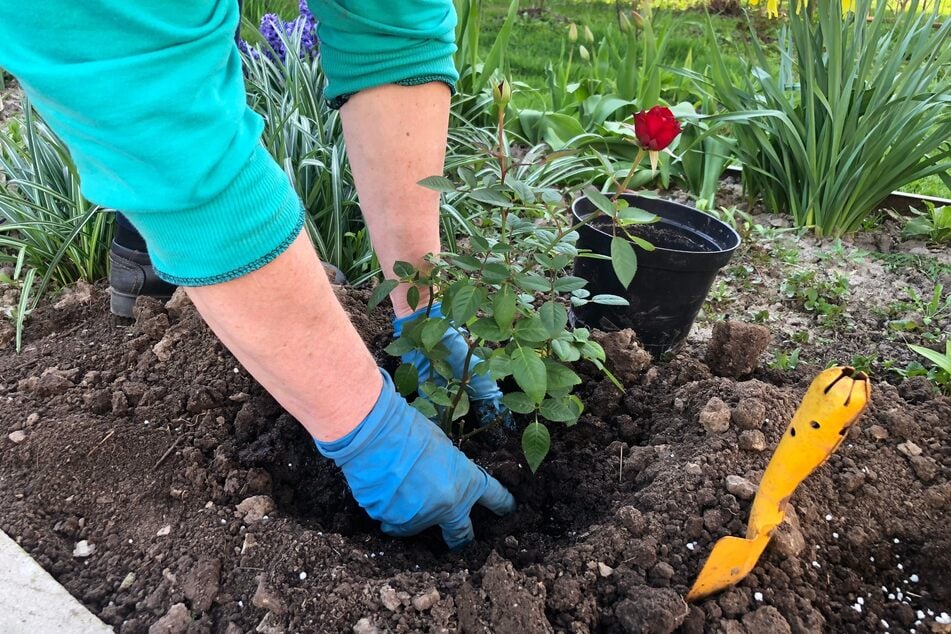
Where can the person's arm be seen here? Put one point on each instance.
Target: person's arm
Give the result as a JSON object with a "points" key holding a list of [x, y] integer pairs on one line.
{"points": [[149, 98]]}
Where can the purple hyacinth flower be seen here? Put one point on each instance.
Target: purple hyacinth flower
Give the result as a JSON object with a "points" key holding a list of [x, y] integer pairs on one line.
{"points": [[271, 28]]}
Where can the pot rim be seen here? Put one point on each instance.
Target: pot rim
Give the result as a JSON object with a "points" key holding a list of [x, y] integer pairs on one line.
{"points": [[631, 195]]}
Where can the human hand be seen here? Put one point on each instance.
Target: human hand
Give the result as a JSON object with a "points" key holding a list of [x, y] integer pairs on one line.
{"points": [[406, 473]]}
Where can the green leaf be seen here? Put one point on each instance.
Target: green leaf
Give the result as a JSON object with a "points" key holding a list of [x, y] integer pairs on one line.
{"points": [[610, 300], [943, 361], [425, 407], [634, 215], [438, 183], [554, 317], [624, 260], [519, 402], [465, 262], [381, 292], [503, 308], [412, 297], [487, 329], [602, 202], [532, 282], [491, 197], [479, 244], [499, 364], [529, 372], [569, 283], [565, 351], [406, 379], [399, 347], [437, 394], [495, 272], [536, 441], [531, 330], [465, 302], [433, 332], [560, 410], [462, 407], [403, 269], [560, 377]]}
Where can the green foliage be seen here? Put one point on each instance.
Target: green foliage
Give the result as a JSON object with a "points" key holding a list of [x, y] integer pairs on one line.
{"points": [[940, 374], [818, 291], [933, 224], [506, 290], [862, 106], [305, 137], [784, 360], [47, 228], [475, 70], [925, 313], [23, 283]]}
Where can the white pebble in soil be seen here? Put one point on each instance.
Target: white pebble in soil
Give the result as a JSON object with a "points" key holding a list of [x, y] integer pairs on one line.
{"points": [[303, 576], [913, 578], [829, 518], [943, 619], [857, 607], [758, 596]]}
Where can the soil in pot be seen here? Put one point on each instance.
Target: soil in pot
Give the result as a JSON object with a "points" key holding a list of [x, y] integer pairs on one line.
{"points": [[661, 236]]}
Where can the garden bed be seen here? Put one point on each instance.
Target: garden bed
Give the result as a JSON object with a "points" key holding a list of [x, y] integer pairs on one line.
{"points": [[143, 447]]}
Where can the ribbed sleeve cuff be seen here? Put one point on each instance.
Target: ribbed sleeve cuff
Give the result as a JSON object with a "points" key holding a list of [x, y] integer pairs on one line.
{"points": [[349, 72], [243, 228]]}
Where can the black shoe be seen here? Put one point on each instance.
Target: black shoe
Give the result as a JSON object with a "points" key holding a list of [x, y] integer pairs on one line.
{"points": [[130, 275]]}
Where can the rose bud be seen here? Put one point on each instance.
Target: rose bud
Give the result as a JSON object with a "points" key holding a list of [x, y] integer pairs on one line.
{"points": [[656, 128]]}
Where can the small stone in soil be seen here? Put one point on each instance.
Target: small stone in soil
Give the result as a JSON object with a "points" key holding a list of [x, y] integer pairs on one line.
{"points": [[365, 626], [83, 549], [752, 440], [17, 437], [750, 413], [878, 432], [255, 508], [165, 530], [426, 600], [909, 448], [715, 416], [740, 487]]}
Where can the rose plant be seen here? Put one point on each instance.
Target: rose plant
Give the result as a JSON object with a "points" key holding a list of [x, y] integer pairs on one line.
{"points": [[506, 290], [654, 129]]}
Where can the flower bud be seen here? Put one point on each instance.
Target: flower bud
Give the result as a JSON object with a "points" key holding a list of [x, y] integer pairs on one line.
{"points": [[585, 55], [588, 35], [656, 128], [624, 23], [638, 20], [573, 33], [502, 93]]}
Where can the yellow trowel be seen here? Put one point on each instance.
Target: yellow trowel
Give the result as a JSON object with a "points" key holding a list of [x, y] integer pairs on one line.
{"points": [[833, 402]]}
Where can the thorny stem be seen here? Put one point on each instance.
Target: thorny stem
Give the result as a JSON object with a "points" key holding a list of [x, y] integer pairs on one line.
{"points": [[462, 386]]}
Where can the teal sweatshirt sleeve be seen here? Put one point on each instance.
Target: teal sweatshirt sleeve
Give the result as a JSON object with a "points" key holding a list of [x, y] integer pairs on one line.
{"points": [[149, 98], [367, 43]]}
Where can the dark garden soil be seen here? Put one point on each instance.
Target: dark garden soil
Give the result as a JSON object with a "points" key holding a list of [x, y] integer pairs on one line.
{"points": [[162, 487]]}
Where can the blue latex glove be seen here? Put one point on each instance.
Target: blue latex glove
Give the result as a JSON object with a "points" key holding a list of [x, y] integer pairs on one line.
{"points": [[484, 393], [407, 474]]}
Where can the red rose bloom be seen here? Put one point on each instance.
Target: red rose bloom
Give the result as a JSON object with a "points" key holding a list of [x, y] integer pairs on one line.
{"points": [[656, 128]]}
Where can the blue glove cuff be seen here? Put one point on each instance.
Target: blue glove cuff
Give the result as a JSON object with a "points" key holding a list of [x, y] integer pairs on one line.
{"points": [[343, 449], [399, 322]]}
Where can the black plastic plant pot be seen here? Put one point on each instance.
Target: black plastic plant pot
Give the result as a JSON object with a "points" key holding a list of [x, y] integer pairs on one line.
{"points": [[671, 282]]}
